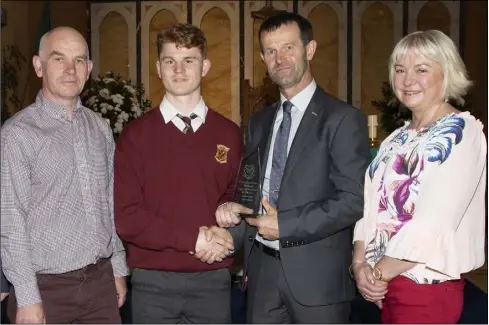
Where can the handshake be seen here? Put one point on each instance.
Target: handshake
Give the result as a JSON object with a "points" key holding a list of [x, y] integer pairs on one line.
{"points": [[215, 243]]}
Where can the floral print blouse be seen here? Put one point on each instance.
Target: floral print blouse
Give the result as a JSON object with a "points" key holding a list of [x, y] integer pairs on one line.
{"points": [[424, 199]]}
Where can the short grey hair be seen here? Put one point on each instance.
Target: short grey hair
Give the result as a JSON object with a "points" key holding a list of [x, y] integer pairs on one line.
{"points": [[435, 45]]}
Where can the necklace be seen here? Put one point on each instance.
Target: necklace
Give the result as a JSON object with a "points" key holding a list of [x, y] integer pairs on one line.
{"points": [[434, 119]]}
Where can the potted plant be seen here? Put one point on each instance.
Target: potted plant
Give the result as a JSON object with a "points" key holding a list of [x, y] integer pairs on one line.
{"points": [[116, 100]]}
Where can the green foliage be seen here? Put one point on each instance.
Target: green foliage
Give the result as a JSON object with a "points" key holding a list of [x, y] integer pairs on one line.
{"points": [[12, 62], [392, 113]]}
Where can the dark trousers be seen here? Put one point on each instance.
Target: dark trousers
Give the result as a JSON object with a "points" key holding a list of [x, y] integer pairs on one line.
{"points": [[409, 302], [271, 301], [85, 296], [162, 297]]}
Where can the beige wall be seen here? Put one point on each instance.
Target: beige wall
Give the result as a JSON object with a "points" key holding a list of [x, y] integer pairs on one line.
{"points": [[114, 45], [216, 85], [259, 68], [377, 40], [324, 65], [434, 15], [23, 18], [162, 20]]}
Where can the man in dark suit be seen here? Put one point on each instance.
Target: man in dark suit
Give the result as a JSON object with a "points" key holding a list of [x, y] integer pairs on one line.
{"points": [[315, 152]]}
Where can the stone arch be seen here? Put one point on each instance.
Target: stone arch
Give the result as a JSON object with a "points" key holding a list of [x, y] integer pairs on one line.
{"points": [[114, 47], [216, 89]]}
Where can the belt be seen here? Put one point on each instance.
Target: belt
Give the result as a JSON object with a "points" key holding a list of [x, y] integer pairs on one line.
{"points": [[267, 250]]}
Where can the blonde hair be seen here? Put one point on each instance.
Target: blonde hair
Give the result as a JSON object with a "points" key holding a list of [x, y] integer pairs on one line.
{"points": [[435, 45]]}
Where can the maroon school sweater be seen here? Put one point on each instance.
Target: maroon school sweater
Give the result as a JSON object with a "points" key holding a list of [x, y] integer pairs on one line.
{"points": [[167, 184]]}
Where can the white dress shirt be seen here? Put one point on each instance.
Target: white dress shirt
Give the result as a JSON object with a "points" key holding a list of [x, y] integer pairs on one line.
{"points": [[170, 112], [300, 103]]}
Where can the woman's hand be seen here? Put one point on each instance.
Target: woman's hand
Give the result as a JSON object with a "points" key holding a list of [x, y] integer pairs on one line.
{"points": [[372, 290]]}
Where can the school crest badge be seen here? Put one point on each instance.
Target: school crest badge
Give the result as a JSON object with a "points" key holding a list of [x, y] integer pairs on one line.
{"points": [[221, 154]]}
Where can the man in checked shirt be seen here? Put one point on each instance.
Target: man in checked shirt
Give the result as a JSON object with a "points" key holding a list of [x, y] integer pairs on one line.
{"points": [[59, 247]]}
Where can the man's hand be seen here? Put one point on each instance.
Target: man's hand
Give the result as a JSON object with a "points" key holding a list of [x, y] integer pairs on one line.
{"points": [[210, 256], [3, 295], [227, 214], [121, 289], [267, 225], [213, 244], [372, 290], [32, 314]]}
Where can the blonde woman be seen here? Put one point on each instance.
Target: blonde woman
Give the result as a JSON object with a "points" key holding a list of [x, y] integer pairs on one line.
{"points": [[424, 216]]}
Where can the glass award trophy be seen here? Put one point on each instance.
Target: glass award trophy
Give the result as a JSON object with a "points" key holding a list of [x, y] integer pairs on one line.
{"points": [[248, 189]]}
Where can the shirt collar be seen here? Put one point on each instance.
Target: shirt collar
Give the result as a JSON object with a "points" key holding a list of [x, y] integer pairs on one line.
{"points": [[56, 110], [302, 99], [169, 111]]}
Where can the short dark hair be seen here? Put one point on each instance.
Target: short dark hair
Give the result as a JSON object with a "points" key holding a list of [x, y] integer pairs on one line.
{"points": [[183, 35], [285, 18]]}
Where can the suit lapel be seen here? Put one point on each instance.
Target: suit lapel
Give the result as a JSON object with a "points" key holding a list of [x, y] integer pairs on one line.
{"points": [[306, 126], [266, 139]]}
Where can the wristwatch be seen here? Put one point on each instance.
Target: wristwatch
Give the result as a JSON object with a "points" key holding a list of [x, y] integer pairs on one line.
{"points": [[377, 274]]}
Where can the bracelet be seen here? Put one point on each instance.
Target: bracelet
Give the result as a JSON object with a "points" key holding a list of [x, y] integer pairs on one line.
{"points": [[351, 267]]}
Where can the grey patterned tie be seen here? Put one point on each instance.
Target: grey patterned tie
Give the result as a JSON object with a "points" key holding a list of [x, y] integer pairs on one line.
{"points": [[187, 121], [280, 154]]}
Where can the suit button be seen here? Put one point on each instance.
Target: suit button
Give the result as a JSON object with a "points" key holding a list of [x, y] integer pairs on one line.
{"points": [[250, 238], [302, 242]]}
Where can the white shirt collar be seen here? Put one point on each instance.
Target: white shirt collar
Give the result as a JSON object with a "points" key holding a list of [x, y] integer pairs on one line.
{"points": [[302, 99], [170, 112]]}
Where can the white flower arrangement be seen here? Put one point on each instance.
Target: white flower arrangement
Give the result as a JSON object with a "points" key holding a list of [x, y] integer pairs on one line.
{"points": [[116, 100]]}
